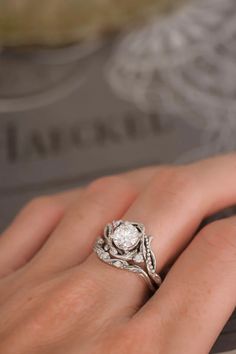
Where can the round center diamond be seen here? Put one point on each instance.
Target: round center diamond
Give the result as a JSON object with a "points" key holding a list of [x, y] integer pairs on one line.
{"points": [[126, 236]]}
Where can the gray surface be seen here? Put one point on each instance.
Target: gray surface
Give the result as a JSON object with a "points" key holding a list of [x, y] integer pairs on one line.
{"points": [[86, 133]]}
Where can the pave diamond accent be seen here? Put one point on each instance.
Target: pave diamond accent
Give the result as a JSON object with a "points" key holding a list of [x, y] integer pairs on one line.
{"points": [[118, 264], [138, 258], [105, 255], [126, 236]]}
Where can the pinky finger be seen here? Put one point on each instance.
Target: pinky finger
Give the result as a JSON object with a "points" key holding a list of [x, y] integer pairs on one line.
{"points": [[28, 232]]}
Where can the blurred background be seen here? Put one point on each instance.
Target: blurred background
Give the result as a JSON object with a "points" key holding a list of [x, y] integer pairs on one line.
{"points": [[95, 87]]}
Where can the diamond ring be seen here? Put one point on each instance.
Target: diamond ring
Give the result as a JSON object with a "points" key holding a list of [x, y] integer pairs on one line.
{"points": [[126, 246]]}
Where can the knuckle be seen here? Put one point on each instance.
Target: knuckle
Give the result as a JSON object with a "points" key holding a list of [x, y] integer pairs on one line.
{"points": [[80, 294], [178, 182], [220, 236], [132, 339], [67, 298], [127, 341], [48, 205], [184, 180], [163, 173], [111, 183]]}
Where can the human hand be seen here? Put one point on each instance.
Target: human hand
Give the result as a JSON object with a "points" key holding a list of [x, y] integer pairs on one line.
{"points": [[56, 296]]}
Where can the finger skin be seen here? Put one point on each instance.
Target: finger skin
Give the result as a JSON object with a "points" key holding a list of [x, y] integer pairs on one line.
{"points": [[172, 207], [36, 221], [199, 294]]}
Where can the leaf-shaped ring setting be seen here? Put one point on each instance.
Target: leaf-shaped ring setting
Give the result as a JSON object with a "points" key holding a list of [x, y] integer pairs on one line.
{"points": [[126, 246]]}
